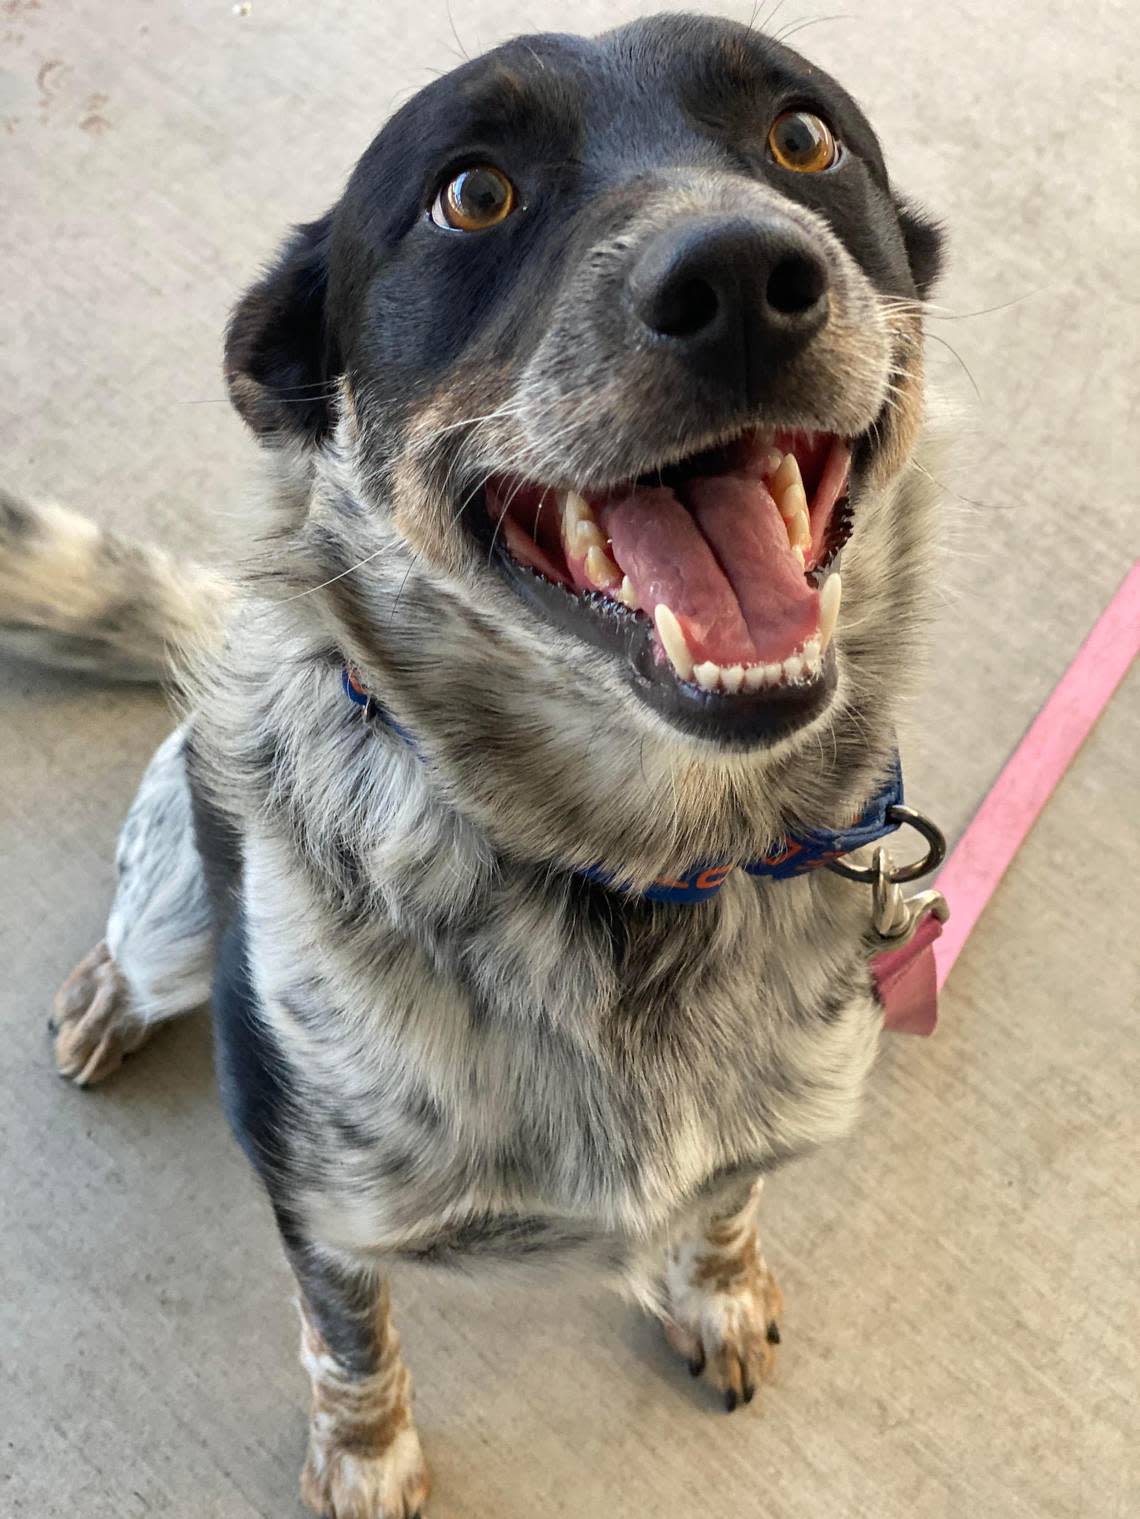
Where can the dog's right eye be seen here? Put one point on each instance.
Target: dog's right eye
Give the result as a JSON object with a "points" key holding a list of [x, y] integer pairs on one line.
{"points": [[802, 142], [474, 199]]}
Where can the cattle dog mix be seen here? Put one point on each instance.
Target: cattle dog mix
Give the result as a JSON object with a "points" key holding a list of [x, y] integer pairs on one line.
{"points": [[576, 406]]}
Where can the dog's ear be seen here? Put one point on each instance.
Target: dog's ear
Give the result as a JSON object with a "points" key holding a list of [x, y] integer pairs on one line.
{"points": [[925, 244], [280, 363]]}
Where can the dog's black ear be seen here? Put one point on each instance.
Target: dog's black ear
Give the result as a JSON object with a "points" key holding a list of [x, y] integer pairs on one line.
{"points": [[280, 363], [925, 244]]}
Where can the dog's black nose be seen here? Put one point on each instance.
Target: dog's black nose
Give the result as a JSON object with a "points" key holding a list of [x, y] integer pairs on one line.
{"points": [[734, 296]]}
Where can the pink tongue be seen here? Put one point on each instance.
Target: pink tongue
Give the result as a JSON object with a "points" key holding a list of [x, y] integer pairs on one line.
{"points": [[724, 568], [659, 547], [748, 536]]}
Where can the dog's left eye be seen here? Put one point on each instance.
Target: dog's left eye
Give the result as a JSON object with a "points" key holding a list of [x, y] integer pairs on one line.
{"points": [[475, 198], [803, 142]]}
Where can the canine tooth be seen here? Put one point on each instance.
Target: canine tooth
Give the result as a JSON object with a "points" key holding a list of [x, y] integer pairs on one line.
{"points": [[793, 503], [811, 651], [828, 610], [707, 675], [793, 667], [732, 678], [787, 472], [787, 488], [575, 509], [673, 641], [799, 530], [580, 529], [601, 571], [626, 594]]}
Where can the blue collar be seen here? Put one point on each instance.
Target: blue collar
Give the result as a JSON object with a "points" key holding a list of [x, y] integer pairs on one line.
{"points": [[800, 851]]}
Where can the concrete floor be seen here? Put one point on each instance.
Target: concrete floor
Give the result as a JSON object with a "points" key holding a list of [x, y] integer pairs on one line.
{"points": [[962, 1326]]}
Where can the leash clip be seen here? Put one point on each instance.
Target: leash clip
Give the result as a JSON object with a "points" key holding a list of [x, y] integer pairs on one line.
{"points": [[896, 918]]}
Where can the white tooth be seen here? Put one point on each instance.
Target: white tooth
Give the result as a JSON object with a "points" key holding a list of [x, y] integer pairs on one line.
{"points": [[793, 502], [673, 641], [626, 594], [732, 678], [799, 531], [811, 651], [771, 463], [828, 610], [787, 474], [588, 535], [787, 488], [757, 676], [793, 667], [580, 530], [575, 509], [707, 676], [799, 556], [601, 571]]}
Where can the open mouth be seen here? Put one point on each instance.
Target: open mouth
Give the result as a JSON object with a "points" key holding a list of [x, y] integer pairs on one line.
{"points": [[715, 576]]}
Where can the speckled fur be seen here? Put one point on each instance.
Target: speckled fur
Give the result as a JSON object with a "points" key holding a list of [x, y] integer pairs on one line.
{"points": [[467, 1048], [723, 1305], [80, 597], [364, 1454]]}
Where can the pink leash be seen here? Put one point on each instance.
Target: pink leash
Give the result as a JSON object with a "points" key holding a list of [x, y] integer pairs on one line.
{"points": [[909, 979]]}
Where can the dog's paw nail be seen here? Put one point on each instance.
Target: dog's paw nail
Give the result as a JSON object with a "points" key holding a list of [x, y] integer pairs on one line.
{"points": [[731, 1400], [773, 1333], [697, 1365], [749, 1391]]}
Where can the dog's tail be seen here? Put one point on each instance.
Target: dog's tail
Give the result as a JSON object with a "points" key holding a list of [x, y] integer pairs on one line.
{"points": [[76, 596]]}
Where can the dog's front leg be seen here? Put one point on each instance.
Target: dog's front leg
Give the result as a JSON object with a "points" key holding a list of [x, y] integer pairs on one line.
{"points": [[722, 1302], [364, 1459]]}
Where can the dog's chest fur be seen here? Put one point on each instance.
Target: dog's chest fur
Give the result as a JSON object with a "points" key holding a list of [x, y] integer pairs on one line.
{"points": [[477, 1055]]}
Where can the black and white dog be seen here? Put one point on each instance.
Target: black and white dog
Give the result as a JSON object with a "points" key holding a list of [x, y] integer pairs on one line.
{"points": [[609, 354]]}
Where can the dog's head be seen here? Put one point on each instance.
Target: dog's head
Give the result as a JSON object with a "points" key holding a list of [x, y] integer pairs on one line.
{"points": [[606, 360]]}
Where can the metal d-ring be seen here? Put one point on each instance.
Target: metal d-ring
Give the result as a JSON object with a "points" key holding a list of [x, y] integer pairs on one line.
{"points": [[902, 817]]}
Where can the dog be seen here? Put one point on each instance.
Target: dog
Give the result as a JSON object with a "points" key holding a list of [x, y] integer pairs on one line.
{"points": [[607, 358]]}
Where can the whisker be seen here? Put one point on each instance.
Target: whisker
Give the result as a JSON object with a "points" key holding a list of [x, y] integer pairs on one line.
{"points": [[965, 367], [799, 26], [278, 400], [942, 486], [771, 15], [454, 32], [334, 578]]}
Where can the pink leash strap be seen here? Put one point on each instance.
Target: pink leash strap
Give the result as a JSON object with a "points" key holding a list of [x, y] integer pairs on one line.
{"points": [[909, 979]]}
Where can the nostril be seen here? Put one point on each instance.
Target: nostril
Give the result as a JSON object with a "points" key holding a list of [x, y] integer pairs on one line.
{"points": [[795, 285], [684, 307]]}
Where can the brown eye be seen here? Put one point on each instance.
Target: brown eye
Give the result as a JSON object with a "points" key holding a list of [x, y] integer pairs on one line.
{"points": [[802, 142], [473, 199]]}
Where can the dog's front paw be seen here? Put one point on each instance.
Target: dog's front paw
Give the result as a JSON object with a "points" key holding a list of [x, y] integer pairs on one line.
{"points": [[92, 1021], [341, 1481], [723, 1317]]}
